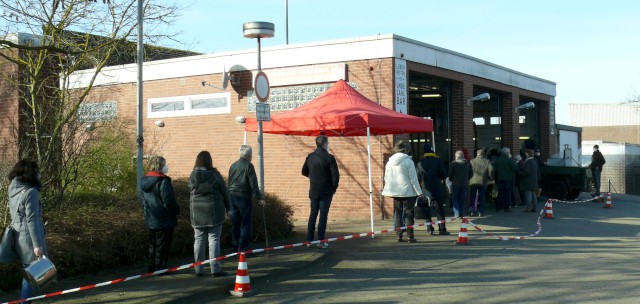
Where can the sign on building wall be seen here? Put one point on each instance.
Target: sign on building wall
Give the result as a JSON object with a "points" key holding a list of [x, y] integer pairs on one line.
{"points": [[401, 86], [290, 97], [98, 111]]}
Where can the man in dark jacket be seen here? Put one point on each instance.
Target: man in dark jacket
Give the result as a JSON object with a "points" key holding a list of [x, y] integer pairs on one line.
{"points": [[597, 162], [505, 169], [160, 212], [243, 186], [322, 170], [431, 173]]}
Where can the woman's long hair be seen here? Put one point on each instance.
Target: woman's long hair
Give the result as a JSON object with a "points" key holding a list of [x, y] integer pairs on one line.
{"points": [[26, 171], [204, 160]]}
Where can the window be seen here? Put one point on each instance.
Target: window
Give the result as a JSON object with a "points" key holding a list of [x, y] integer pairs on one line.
{"points": [[496, 120], [191, 105], [98, 111], [523, 120]]}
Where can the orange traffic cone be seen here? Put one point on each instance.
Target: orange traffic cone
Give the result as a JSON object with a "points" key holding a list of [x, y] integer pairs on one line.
{"points": [[548, 210], [463, 237], [243, 285], [608, 203]]}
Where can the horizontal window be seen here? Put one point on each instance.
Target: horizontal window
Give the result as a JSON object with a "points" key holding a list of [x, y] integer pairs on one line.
{"points": [[191, 105]]}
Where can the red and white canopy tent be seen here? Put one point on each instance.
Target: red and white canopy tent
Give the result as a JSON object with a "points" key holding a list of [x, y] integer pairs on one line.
{"points": [[343, 111]]}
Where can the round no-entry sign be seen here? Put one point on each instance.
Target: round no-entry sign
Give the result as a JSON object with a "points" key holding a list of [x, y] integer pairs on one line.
{"points": [[261, 86]]}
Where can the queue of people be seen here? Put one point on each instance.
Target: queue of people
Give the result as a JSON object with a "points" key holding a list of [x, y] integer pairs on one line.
{"points": [[214, 201]]}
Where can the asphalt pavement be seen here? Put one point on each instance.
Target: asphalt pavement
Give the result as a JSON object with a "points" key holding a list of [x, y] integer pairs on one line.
{"points": [[581, 237]]}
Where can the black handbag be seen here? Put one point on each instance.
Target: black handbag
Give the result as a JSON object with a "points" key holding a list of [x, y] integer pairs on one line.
{"points": [[7, 246], [422, 209]]}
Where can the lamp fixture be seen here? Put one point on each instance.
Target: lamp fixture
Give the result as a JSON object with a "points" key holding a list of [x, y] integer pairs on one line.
{"points": [[481, 97], [526, 106], [431, 95]]}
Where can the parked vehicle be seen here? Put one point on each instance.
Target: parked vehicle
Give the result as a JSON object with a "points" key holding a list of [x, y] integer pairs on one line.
{"points": [[563, 176]]}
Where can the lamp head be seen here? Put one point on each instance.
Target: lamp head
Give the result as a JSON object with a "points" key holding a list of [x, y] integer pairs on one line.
{"points": [[481, 97]]}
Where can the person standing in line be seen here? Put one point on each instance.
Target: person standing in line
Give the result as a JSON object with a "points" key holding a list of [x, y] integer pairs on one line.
{"points": [[160, 212], [529, 177], [541, 164], [322, 170], [243, 186], [505, 169], [431, 174], [209, 209], [517, 197], [597, 162], [401, 183], [459, 173], [482, 172], [25, 209]]}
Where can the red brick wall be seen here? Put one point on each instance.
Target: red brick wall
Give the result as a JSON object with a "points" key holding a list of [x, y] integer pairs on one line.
{"points": [[183, 137], [8, 111], [510, 126], [461, 117]]}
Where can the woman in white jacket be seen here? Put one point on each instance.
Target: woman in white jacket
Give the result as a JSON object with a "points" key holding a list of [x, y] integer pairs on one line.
{"points": [[401, 183]]}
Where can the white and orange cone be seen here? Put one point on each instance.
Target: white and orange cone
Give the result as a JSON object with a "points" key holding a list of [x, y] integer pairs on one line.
{"points": [[608, 202], [548, 210], [463, 236], [243, 284]]}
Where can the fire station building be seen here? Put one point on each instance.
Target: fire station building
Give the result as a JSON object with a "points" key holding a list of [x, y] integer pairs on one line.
{"points": [[198, 98]]}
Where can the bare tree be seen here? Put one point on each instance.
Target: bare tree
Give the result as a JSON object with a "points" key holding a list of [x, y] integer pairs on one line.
{"points": [[48, 40]]}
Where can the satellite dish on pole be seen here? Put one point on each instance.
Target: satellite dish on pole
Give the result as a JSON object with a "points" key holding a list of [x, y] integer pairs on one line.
{"points": [[225, 78]]}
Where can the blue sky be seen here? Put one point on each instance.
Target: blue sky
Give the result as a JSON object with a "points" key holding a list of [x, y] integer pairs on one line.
{"points": [[591, 49]]}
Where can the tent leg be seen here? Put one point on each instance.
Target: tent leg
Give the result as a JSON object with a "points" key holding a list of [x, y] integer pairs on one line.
{"points": [[370, 184], [433, 141]]}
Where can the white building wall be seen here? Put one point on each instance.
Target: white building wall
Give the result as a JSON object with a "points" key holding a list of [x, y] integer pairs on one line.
{"points": [[598, 115]]}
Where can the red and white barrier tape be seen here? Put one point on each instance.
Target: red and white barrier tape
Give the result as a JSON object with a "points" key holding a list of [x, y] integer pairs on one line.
{"points": [[511, 238], [581, 201], [199, 263], [186, 266]]}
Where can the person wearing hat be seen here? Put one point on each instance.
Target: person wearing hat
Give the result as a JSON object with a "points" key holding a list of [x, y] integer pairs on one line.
{"points": [[431, 173], [597, 162], [401, 183]]}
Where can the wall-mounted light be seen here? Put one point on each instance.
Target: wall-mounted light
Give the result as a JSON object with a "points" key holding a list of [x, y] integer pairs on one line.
{"points": [[159, 123], [431, 95], [90, 127], [481, 97], [241, 119], [526, 106]]}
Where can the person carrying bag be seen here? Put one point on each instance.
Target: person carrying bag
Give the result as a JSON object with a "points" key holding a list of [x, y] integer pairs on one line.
{"points": [[26, 218]]}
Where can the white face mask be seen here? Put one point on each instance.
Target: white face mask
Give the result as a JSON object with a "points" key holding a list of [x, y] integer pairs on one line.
{"points": [[595, 149], [165, 169]]}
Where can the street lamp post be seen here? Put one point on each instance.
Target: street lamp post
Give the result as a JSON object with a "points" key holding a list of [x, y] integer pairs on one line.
{"points": [[260, 30]]}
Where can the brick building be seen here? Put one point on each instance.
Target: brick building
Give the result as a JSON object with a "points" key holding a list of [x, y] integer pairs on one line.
{"points": [[399, 73]]}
